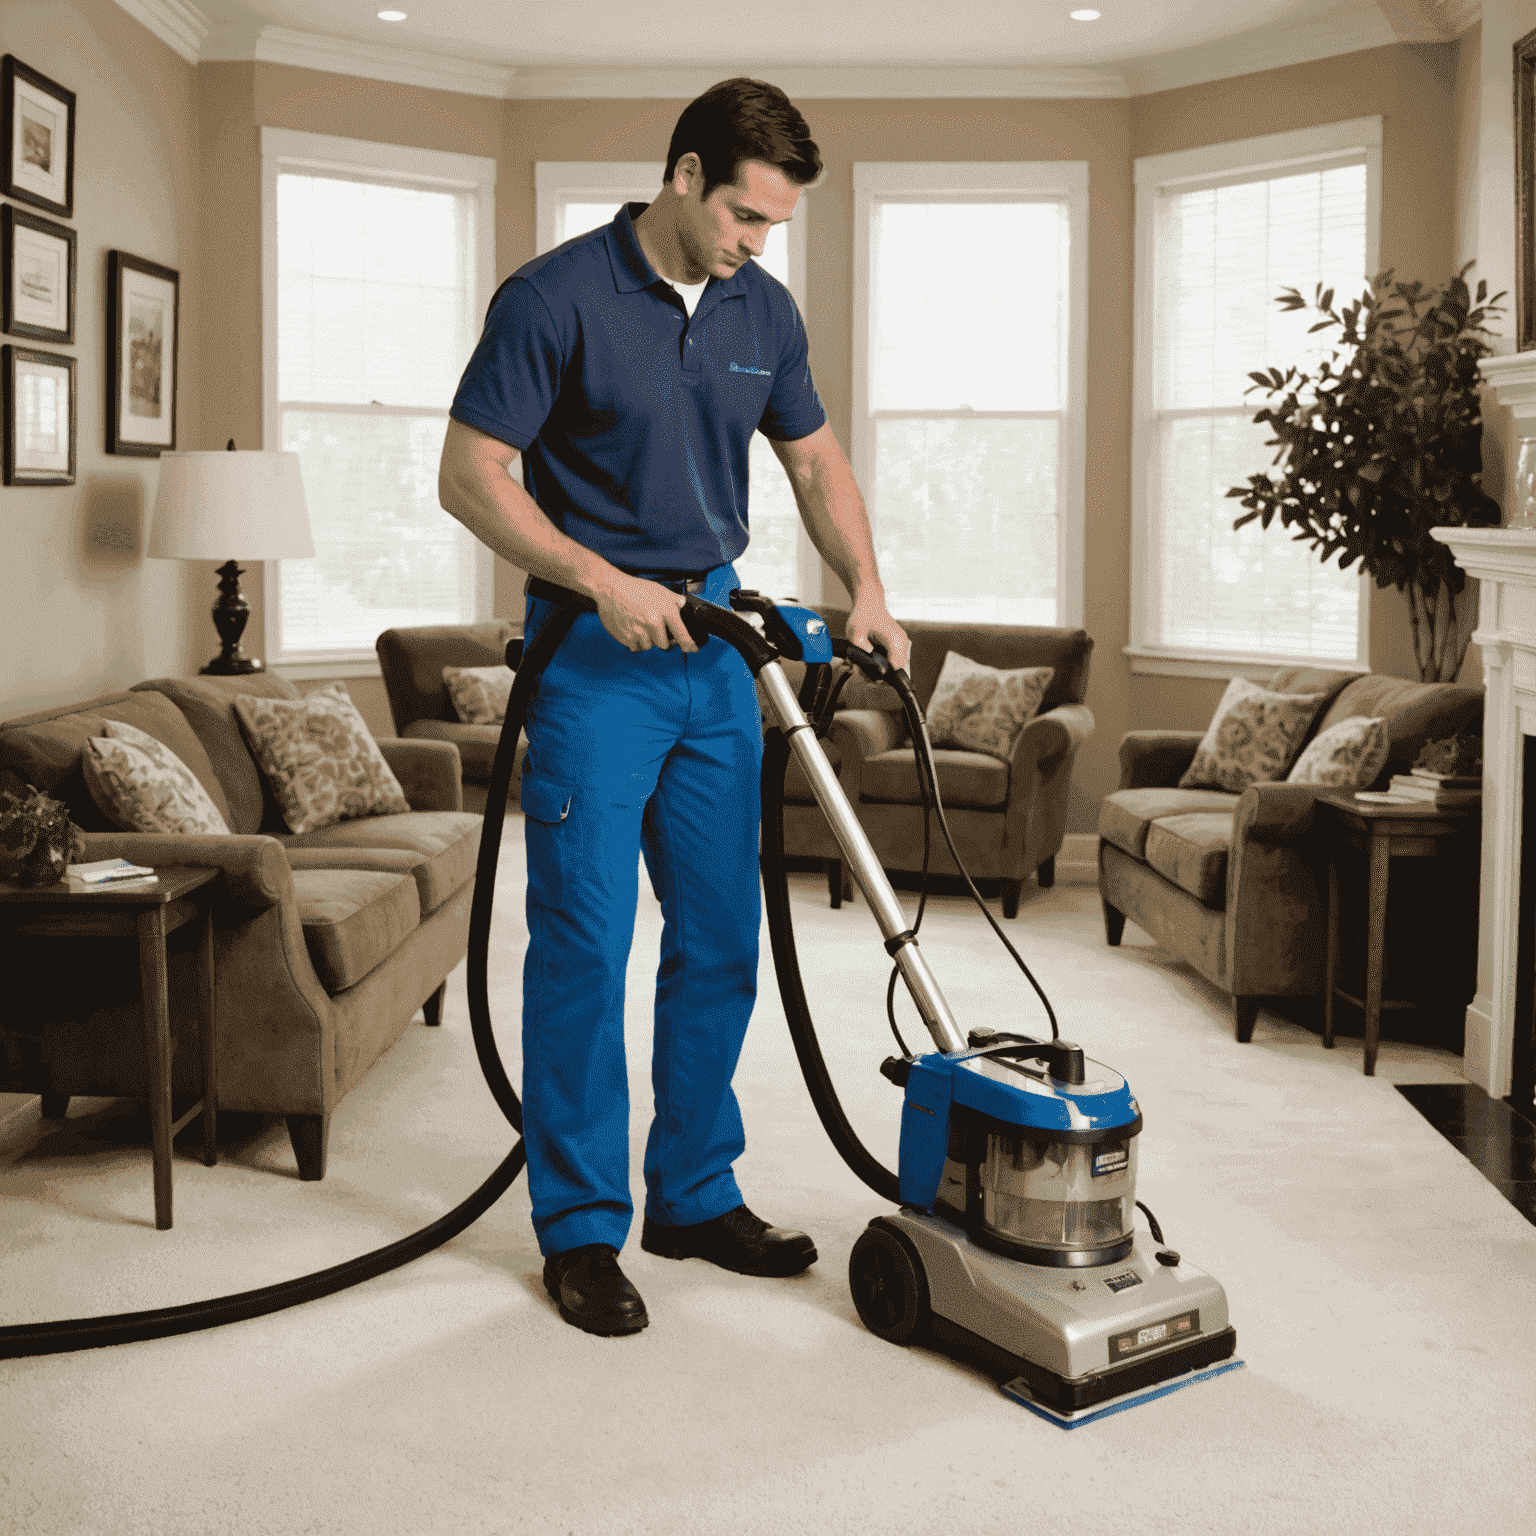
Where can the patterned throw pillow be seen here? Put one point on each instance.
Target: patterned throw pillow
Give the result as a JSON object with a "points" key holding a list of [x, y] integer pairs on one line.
{"points": [[479, 694], [1252, 737], [1350, 754], [142, 786], [320, 758], [981, 708]]}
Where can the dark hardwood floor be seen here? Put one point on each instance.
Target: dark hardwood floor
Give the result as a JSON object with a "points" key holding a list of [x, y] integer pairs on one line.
{"points": [[1496, 1139]]}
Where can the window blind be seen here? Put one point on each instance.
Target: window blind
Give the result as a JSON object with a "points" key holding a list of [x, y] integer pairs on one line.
{"points": [[1222, 253], [375, 324], [968, 395]]}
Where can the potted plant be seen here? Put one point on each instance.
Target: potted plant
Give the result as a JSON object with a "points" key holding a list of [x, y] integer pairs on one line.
{"points": [[37, 838], [1381, 442]]}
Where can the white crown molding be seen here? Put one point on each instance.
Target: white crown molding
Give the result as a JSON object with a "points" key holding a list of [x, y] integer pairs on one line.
{"points": [[181, 25], [826, 81], [371, 61], [1347, 29], [1354, 25]]}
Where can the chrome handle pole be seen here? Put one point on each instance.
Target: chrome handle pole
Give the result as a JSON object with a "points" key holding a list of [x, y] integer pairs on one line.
{"points": [[865, 865]]}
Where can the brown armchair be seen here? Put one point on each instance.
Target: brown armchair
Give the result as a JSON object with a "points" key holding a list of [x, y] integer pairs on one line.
{"points": [[1008, 819], [412, 662]]}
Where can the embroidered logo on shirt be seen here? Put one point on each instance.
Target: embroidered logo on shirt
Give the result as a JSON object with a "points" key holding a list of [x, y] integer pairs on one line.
{"points": [[762, 373]]}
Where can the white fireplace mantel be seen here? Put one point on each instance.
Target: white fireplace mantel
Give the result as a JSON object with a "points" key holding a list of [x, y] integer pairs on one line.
{"points": [[1513, 381], [1504, 562]]}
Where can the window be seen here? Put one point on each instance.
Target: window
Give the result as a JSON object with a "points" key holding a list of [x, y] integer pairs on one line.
{"points": [[377, 270], [970, 294], [580, 196], [1220, 232]]}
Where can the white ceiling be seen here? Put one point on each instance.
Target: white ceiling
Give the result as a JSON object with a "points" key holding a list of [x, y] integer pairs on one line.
{"points": [[487, 45]]}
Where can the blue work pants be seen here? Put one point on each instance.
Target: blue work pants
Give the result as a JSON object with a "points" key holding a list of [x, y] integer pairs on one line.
{"points": [[654, 752]]}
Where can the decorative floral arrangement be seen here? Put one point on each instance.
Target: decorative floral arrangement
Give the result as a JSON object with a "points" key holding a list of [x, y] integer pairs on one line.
{"points": [[37, 838]]}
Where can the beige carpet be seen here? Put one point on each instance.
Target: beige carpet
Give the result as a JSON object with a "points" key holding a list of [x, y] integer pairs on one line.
{"points": [[1381, 1289]]}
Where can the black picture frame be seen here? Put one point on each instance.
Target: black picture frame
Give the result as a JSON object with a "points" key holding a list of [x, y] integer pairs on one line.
{"points": [[33, 173], [142, 373], [14, 362], [17, 275], [1525, 192]]}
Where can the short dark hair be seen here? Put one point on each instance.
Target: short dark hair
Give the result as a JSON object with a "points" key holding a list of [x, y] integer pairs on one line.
{"points": [[742, 119]]}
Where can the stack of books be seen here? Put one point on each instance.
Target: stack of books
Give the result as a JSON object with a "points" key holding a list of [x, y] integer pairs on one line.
{"points": [[109, 875], [1446, 790]]}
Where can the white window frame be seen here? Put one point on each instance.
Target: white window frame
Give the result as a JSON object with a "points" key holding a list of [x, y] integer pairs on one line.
{"points": [[1157, 175], [558, 182], [973, 181], [284, 149]]}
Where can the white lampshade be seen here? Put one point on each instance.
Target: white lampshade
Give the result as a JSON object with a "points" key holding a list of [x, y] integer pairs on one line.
{"points": [[237, 505]]}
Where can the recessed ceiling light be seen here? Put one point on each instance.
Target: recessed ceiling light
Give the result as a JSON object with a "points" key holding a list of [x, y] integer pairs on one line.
{"points": [[1085, 15], [391, 15]]}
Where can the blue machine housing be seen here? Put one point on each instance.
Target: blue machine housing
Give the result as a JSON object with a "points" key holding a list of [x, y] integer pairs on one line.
{"points": [[810, 629], [1038, 1104]]}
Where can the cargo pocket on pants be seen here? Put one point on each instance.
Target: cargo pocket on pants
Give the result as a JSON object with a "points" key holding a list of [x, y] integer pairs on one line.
{"points": [[545, 806]]}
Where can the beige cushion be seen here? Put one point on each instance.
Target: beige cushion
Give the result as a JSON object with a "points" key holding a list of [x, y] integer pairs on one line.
{"points": [[142, 786], [1252, 738], [1127, 814], [354, 919], [320, 758], [984, 709], [1191, 851], [965, 778], [479, 694], [1350, 754], [448, 841]]}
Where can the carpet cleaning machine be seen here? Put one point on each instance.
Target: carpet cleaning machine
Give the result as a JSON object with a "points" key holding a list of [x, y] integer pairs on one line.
{"points": [[1014, 1245]]}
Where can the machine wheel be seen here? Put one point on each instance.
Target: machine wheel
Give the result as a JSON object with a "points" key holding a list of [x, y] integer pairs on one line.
{"points": [[889, 1287]]}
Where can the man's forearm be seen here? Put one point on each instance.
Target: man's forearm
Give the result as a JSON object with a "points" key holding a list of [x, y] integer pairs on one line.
{"points": [[835, 517]]}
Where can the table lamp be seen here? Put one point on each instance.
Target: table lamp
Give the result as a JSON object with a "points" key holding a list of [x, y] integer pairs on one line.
{"points": [[231, 506]]}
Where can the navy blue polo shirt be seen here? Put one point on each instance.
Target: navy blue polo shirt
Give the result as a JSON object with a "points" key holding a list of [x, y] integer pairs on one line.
{"points": [[634, 420]]}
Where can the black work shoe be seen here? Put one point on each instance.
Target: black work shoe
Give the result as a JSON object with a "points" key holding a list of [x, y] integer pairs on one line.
{"points": [[737, 1241], [591, 1291]]}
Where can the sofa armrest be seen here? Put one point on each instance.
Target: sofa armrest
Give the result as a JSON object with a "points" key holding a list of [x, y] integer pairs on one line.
{"points": [[256, 875], [1047, 736], [1275, 813], [1156, 759], [430, 772], [861, 733]]}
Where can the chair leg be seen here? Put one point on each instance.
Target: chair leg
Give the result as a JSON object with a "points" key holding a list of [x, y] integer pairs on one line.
{"points": [[835, 882], [1245, 1013], [1114, 923], [55, 1106], [1046, 874], [1010, 890], [309, 1135], [432, 1009]]}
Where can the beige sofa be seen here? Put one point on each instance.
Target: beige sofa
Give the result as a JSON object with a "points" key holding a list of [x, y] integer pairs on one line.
{"points": [[326, 944], [1237, 885], [1008, 819]]}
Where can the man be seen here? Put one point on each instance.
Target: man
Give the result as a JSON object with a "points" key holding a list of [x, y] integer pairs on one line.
{"points": [[628, 370]]}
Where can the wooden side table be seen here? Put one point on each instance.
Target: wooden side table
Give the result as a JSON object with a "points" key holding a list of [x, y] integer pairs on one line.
{"points": [[1383, 833], [182, 894]]}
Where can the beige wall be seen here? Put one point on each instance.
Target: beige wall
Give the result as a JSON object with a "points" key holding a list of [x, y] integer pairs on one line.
{"points": [[84, 612]]}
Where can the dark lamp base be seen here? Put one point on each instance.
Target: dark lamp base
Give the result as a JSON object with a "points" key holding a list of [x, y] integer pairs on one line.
{"points": [[229, 616]]}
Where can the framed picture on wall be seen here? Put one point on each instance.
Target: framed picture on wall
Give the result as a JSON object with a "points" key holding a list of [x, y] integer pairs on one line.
{"points": [[142, 310], [37, 273], [1525, 191], [40, 122], [37, 395]]}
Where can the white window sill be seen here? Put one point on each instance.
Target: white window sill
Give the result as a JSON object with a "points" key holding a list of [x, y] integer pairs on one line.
{"points": [[1148, 661], [306, 669]]}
